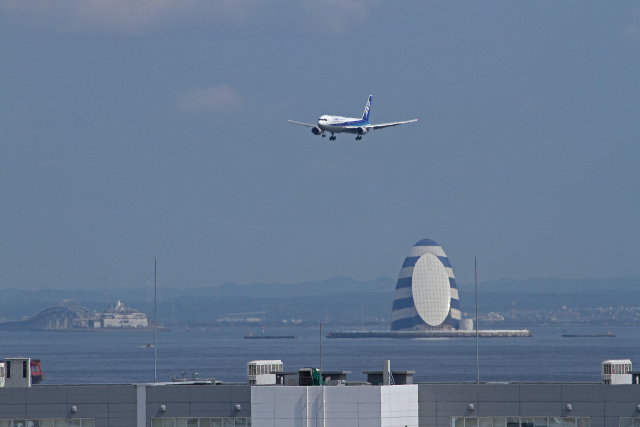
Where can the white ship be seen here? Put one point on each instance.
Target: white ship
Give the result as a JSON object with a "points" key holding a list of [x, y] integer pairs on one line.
{"points": [[123, 317]]}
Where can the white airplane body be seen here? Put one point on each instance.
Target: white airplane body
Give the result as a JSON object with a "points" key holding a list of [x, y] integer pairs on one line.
{"points": [[353, 125]]}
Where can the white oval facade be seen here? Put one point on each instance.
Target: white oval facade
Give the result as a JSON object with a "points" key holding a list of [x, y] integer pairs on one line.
{"points": [[431, 290]]}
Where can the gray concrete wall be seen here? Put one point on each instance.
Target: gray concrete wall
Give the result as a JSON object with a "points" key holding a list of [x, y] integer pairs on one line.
{"points": [[199, 401], [110, 405], [115, 405], [603, 404]]}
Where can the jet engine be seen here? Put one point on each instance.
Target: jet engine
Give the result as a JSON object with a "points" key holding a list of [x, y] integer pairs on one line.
{"points": [[316, 130], [362, 130]]}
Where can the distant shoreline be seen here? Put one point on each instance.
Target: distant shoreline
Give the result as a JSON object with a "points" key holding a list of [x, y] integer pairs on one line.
{"points": [[160, 329]]}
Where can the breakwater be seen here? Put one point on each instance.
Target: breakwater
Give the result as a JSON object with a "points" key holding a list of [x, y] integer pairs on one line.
{"points": [[431, 334]]}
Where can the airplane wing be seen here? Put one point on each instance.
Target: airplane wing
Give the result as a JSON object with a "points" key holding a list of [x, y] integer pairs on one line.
{"points": [[303, 124], [386, 125]]}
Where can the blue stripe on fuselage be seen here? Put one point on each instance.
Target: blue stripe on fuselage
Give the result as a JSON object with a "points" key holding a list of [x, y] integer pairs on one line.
{"points": [[354, 123]]}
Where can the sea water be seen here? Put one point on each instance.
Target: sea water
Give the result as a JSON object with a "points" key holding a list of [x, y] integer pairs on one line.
{"points": [[127, 357]]}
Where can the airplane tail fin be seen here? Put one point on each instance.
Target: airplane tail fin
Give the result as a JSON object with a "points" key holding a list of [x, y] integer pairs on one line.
{"points": [[365, 115]]}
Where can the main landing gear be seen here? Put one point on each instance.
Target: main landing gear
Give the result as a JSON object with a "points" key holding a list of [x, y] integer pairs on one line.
{"points": [[358, 138], [332, 138]]}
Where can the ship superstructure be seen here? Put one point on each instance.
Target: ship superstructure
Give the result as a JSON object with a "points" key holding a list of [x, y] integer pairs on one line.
{"points": [[123, 317]]}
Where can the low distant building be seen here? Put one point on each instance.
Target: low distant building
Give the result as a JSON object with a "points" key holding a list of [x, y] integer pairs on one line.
{"points": [[123, 317]]}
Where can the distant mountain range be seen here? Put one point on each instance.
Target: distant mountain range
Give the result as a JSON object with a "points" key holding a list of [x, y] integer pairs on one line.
{"points": [[551, 294], [338, 300], [558, 286]]}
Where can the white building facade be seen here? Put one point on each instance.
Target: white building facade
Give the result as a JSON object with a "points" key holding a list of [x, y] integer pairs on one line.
{"points": [[335, 406]]}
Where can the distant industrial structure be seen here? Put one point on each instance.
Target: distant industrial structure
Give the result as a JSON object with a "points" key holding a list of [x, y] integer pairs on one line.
{"points": [[426, 302], [71, 316], [426, 296]]}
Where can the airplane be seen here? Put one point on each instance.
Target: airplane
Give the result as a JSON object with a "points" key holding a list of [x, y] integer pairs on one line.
{"points": [[339, 124]]}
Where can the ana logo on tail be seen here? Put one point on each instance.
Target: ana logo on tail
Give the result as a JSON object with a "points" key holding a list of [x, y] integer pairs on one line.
{"points": [[365, 115]]}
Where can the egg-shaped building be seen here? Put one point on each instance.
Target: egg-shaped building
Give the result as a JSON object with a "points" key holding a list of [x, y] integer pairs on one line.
{"points": [[426, 295]]}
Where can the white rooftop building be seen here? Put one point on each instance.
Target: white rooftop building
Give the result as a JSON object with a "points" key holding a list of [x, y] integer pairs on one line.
{"points": [[616, 371], [262, 372]]}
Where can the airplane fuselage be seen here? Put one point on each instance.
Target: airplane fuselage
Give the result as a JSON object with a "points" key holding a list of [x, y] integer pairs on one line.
{"points": [[339, 124]]}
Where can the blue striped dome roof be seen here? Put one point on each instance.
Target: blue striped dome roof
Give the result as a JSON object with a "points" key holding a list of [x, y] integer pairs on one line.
{"points": [[426, 242], [422, 296]]}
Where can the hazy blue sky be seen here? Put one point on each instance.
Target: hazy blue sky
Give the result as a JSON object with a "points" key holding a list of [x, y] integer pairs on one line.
{"points": [[134, 130]]}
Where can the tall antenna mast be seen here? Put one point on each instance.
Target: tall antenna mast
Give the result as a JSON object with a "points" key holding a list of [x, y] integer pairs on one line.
{"points": [[155, 321], [320, 347], [475, 267]]}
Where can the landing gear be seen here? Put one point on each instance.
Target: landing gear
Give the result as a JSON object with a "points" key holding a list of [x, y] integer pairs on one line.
{"points": [[323, 135], [332, 138], [358, 138]]}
